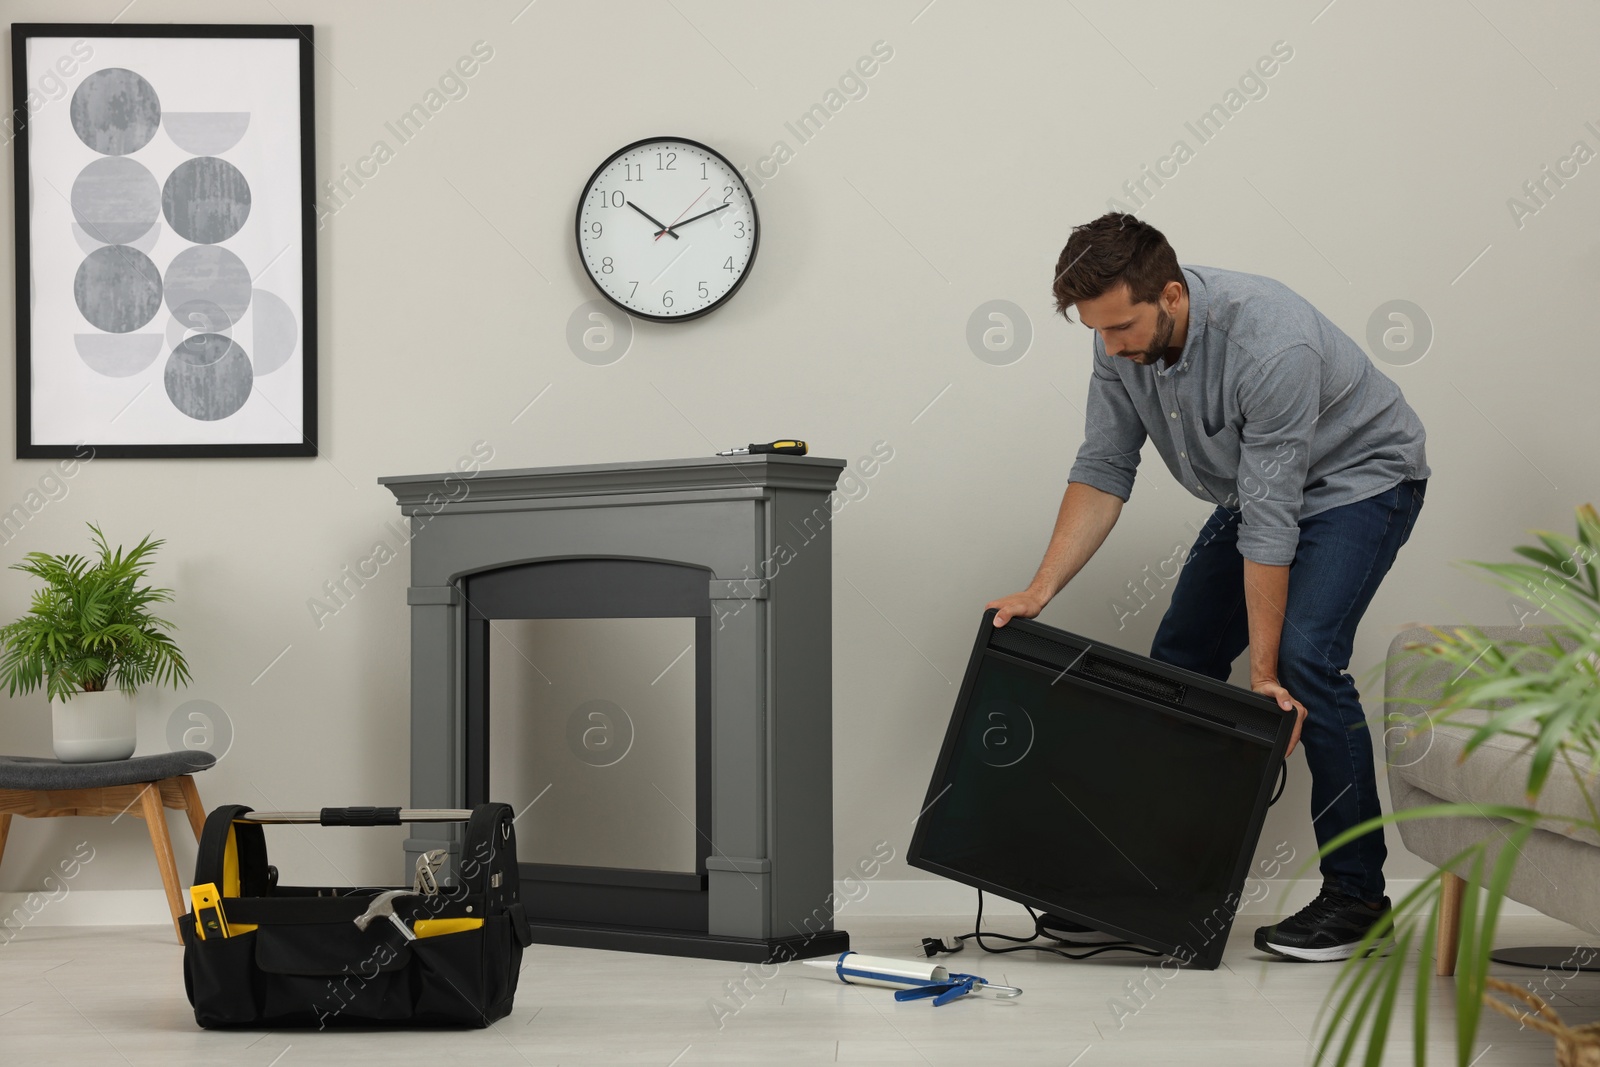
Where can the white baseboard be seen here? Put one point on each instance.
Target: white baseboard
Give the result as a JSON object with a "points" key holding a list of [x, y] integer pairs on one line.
{"points": [[883, 899], [83, 907]]}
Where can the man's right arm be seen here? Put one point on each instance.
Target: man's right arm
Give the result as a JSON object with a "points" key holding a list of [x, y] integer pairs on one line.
{"points": [[1100, 481], [1086, 517]]}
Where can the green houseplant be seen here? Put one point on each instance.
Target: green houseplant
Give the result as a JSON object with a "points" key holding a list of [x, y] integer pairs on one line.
{"points": [[1544, 690], [89, 638]]}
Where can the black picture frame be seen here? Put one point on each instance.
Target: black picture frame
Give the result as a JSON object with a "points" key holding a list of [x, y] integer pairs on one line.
{"points": [[19, 117]]}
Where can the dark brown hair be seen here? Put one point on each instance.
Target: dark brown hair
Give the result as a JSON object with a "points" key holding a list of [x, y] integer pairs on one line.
{"points": [[1113, 249]]}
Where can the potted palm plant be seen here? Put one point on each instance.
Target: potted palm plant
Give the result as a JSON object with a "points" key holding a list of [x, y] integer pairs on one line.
{"points": [[90, 640], [1544, 690]]}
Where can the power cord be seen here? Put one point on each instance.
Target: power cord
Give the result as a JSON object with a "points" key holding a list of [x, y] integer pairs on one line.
{"points": [[934, 946], [1283, 780]]}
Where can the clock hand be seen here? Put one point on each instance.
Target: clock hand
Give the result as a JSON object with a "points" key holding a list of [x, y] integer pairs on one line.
{"points": [[691, 218], [681, 214], [661, 228]]}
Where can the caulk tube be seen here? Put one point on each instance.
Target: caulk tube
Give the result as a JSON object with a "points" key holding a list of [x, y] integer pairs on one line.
{"points": [[856, 969]]}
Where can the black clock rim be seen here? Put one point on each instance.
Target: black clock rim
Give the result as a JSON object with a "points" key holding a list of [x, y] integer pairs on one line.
{"points": [[577, 231]]}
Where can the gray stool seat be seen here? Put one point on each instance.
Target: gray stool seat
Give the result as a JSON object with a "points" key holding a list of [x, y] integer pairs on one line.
{"points": [[143, 787], [35, 772]]}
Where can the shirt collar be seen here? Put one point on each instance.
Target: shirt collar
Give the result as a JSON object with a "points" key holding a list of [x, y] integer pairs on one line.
{"points": [[1197, 324]]}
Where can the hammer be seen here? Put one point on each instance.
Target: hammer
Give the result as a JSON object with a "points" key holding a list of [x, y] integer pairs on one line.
{"points": [[382, 906]]}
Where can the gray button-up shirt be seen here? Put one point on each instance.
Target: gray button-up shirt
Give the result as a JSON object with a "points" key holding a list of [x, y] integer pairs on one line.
{"points": [[1271, 410]]}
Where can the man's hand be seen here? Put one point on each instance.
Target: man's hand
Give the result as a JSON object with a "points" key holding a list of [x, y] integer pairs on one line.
{"points": [[1269, 687], [1025, 605]]}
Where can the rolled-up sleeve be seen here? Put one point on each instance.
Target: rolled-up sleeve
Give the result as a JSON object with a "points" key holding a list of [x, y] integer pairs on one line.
{"points": [[1280, 408], [1113, 433]]}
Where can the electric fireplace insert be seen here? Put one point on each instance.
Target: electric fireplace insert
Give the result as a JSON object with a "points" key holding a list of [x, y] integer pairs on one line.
{"points": [[1103, 786]]}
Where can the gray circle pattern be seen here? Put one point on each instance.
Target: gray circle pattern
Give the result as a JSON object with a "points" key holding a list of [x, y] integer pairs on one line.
{"points": [[117, 288], [208, 377], [206, 200], [277, 331], [115, 111], [208, 273], [115, 200], [197, 316]]}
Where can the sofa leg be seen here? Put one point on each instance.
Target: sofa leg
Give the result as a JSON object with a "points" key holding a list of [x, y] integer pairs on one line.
{"points": [[1449, 931]]}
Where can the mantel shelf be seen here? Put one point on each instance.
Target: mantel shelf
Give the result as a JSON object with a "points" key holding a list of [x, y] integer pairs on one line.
{"points": [[601, 479]]}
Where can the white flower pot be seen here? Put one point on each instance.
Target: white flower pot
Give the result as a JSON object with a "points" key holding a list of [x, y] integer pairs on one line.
{"points": [[93, 727]]}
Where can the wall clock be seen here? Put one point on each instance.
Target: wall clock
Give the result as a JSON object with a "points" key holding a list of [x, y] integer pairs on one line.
{"points": [[667, 229]]}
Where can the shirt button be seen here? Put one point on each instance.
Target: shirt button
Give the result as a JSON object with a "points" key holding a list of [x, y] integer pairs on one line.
{"points": [[1174, 414]]}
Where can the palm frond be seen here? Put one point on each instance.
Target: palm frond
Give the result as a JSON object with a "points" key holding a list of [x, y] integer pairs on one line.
{"points": [[1543, 690], [89, 627]]}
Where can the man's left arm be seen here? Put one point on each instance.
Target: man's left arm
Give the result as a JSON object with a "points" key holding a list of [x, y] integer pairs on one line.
{"points": [[1266, 593], [1280, 415]]}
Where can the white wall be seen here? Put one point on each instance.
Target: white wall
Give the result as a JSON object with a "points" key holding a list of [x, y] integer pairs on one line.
{"points": [[1377, 166]]}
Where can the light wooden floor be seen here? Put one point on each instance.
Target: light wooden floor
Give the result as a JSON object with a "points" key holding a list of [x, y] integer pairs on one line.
{"points": [[114, 995]]}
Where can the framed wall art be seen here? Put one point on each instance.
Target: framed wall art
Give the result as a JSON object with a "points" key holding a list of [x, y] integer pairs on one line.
{"points": [[166, 240]]}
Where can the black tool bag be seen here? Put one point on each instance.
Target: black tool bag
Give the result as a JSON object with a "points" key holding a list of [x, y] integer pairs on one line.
{"points": [[293, 956]]}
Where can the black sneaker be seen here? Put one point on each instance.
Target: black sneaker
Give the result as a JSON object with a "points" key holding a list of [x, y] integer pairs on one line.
{"points": [[1070, 933], [1329, 928]]}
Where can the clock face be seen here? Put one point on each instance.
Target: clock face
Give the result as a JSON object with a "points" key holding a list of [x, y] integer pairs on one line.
{"points": [[667, 229]]}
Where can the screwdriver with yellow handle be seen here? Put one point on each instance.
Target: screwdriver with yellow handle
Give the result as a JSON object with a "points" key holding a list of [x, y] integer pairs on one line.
{"points": [[790, 448]]}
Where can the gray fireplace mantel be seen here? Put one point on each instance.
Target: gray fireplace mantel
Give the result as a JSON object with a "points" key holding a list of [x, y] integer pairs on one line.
{"points": [[760, 527]]}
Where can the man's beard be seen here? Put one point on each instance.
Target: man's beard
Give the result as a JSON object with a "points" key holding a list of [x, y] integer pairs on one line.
{"points": [[1161, 340]]}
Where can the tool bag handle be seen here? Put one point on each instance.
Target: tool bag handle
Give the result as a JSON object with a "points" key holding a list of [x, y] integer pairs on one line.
{"points": [[247, 875], [360, 816]]}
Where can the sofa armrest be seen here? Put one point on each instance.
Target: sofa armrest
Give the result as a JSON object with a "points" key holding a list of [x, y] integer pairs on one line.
{"points": [[1411, 693]]}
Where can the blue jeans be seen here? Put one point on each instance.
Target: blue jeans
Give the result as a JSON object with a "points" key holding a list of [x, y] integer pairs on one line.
{"points": [[1342, 555]]}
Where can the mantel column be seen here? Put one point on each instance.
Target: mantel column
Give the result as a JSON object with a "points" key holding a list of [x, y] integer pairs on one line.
{"points": [[738, 872], [437, 779]]}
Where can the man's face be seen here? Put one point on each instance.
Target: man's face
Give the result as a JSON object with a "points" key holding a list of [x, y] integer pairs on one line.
{"points": [[1140, 332]]}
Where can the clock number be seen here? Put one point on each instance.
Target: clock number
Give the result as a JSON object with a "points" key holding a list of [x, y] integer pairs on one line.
{"points": [[731, 230]]}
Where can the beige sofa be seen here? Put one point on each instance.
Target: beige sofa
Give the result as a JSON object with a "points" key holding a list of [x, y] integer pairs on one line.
{"points": [[1559, 871]]}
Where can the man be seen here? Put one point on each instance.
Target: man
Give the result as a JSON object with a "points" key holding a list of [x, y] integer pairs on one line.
{"points": [[1260, 405]]}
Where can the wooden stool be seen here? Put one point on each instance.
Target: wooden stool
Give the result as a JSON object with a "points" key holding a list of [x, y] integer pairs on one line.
{"points": [[144, 786]]}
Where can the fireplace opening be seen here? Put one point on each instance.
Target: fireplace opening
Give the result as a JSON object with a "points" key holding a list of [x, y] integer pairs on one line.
{"points": [[588, 710], [593, 721]]}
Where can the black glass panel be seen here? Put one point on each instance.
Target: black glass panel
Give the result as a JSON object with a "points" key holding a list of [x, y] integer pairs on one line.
{"points": [[1096, 803]]}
